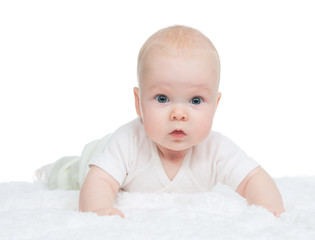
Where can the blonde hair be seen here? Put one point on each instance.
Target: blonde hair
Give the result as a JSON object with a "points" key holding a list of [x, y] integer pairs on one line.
{"points": [[178, 38]]}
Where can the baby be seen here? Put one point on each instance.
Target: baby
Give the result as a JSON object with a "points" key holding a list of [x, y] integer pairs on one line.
{"points": [[170, 147]]}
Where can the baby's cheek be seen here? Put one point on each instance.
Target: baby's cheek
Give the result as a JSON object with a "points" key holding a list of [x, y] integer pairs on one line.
{"points": [[204, 128], [152, 126]]}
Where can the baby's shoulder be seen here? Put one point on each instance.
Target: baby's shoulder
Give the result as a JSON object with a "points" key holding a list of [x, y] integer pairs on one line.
{"points": [[131, 128], [131, 132], [216, 140], [215, 137]]}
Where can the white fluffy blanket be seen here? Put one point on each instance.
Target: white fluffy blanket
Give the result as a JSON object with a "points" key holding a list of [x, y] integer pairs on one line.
{"points": [[32, 211]]}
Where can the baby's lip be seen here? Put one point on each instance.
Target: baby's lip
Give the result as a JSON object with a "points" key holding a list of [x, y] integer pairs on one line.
{"points": [[178, 133]]}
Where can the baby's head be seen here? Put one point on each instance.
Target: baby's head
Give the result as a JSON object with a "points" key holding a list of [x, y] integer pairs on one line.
{"points": [[178, 77], [177, 41]]}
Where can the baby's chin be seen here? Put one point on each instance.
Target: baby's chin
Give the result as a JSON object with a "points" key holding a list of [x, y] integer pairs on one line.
{"points": [[175, 147]]}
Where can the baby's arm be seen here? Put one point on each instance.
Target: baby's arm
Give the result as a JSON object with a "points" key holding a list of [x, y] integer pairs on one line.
{"points": [[259, 189], [98, 193]]}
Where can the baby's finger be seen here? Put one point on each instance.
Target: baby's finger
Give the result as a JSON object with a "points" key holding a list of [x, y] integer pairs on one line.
{"points": [[118, 212]]}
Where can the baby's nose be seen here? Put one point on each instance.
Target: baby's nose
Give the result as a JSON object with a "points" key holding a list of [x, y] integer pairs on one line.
{"points": [[179, 114]]}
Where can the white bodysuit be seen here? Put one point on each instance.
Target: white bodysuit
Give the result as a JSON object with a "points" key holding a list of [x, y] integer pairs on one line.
{"points": [[132, 159]]}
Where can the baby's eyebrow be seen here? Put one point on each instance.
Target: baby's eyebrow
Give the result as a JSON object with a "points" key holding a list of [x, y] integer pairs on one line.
{"points": [[201, 87], [160, 87], [195, 88]]}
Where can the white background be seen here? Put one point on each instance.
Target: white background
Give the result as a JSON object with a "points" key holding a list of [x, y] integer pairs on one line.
{"points": [[67, 69]]}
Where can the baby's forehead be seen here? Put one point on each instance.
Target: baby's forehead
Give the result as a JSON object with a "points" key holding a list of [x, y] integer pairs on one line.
{"points": [[159, 57], [164, 65]]}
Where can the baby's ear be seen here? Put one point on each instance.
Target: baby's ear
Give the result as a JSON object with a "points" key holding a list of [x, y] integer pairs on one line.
{"points": [[137, 101], [219, 97]]}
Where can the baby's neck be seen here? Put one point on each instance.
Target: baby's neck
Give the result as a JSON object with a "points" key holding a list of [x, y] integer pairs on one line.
{"points": [[171, 161]]}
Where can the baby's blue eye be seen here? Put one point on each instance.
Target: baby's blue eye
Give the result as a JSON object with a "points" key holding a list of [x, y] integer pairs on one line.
{"points": [[196, 100], [161, 98]]}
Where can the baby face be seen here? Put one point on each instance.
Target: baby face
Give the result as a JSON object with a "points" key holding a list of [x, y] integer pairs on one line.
{"points": [[177, 99]]}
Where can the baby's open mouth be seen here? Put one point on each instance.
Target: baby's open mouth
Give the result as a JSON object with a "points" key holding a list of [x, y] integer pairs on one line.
{"points": [[178, 134]]}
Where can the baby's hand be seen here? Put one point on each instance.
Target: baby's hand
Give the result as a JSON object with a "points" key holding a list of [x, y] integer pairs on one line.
{"points": [[276, 210], [109, 212]]}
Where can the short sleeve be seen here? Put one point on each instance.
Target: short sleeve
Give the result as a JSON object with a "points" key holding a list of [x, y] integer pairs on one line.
{"points": [[115, 157], [232, 163]]}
